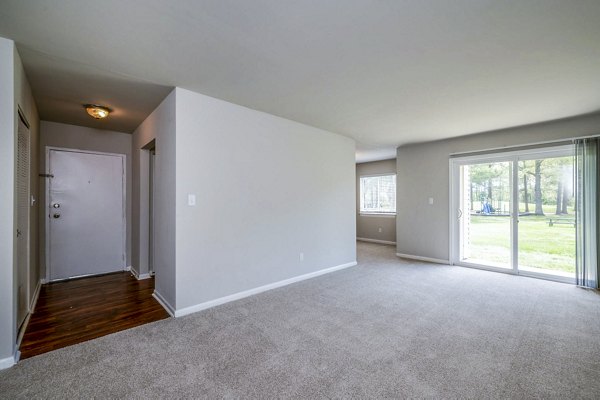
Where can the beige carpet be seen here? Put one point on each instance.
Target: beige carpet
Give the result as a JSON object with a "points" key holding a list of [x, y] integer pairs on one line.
{"points": [[385, 328]]}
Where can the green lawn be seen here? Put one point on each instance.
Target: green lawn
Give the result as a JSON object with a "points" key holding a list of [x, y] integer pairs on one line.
{"points": [[540, 245]]}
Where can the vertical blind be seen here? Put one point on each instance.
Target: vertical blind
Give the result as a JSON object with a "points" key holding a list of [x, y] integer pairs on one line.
{"points": [[378, 194]]}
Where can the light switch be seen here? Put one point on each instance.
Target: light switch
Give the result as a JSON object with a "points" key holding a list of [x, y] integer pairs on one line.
{"points": [[191, 199], [431, 201]]}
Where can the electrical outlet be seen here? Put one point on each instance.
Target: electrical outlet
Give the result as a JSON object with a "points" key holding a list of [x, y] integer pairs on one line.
{"points": [[380, 229]]}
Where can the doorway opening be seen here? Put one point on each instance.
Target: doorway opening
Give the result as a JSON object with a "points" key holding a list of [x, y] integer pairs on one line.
{"points": [[515, 212], [151, 195], [147, 206]]}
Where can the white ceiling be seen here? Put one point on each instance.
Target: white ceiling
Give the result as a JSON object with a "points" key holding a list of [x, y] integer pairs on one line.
{"points": [[385, 72]]}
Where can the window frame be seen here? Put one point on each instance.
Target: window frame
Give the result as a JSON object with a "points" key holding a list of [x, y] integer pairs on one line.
{"points": [[360, 198]]}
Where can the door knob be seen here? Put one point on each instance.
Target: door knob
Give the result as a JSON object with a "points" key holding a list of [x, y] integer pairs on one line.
{"points": [[57, 215]]}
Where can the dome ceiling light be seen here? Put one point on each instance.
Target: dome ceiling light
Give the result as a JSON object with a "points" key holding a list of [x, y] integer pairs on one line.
{"points": [[96, 111]]}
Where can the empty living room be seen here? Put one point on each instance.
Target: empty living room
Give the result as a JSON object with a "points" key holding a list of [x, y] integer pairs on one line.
{"points": [[259, 199]]}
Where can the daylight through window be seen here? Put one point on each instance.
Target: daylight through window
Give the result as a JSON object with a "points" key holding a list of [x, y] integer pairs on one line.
{"points": [[378, 194]]}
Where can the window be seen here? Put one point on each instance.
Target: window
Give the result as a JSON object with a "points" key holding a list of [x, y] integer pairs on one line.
{"points": [[378, 194]]}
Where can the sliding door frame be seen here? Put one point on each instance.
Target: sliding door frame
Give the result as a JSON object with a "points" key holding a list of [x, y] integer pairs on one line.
{"points": [[455, 211]]}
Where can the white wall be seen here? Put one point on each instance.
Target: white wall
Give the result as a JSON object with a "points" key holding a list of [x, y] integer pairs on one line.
{"points": [[15, 93], [423, 172], [7, 211], [367, 226], [267, 189], [159, 126], [55, 134]]}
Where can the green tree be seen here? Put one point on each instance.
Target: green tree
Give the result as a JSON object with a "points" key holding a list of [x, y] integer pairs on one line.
{"points": [[525, 170], [559, 197], [537, 194], [482, 179]]}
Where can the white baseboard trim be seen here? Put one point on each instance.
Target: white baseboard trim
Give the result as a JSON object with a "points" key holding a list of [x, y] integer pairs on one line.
{"points": [[164, 303], [8, 362], [257, 290], [426, 259], [23, 328], [375, 241], [36, 295], [137, 275]]}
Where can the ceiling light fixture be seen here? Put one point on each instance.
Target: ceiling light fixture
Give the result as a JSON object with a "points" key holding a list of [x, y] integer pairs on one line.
{"points": [[97, 112]]}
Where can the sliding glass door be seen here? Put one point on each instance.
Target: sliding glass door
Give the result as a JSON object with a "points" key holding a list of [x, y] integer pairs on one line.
{"points": [[485, 208], [546, 240], [515, 212]]}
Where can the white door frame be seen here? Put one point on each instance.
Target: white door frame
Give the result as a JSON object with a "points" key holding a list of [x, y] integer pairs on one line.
{"points": [[513, 157], [152, 203], [47, 205]]}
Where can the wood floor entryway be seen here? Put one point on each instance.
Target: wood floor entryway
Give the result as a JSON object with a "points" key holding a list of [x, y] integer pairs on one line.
{"points": [[78, 310]]}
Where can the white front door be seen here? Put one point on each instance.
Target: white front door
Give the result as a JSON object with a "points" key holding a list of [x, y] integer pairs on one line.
{"points": [[86, 213]]}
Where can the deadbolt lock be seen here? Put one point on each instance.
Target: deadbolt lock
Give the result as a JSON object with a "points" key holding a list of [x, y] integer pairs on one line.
{"points": [[56, 215]]}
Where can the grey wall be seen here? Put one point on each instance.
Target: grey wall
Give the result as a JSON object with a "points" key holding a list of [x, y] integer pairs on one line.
{"points": [[423, 172], [267, 189], [54, 134], [159, 126], [15, 94], [367, 226]]}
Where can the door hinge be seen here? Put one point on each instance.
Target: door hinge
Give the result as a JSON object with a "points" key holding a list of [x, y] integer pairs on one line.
{"points": [[46, 175]]}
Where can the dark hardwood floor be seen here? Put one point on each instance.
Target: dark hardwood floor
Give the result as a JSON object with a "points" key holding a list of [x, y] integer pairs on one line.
{"points": [[77, 310]]}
